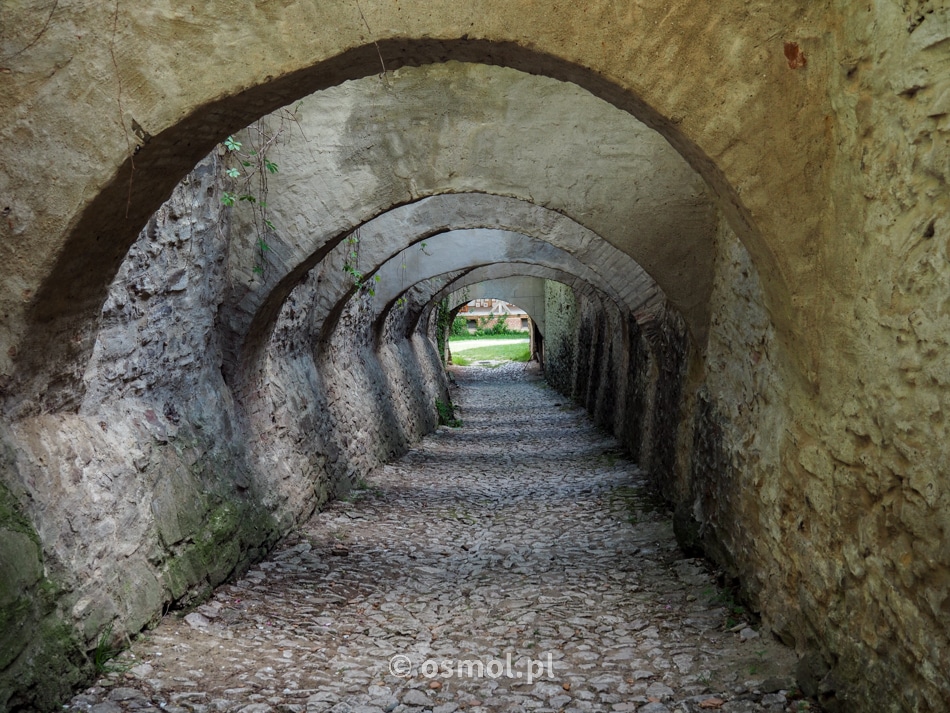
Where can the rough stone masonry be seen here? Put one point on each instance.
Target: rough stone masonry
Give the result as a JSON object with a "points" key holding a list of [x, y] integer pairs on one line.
{"points": [[748, 203]]}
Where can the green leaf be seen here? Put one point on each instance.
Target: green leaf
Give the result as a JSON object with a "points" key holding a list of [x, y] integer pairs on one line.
{"points": [[232, 144], [233, 172], [270, 225], [270, 166], [249, 198], [245, 163], [258, 270], [263, 246], [227, 198], [376, 278]]}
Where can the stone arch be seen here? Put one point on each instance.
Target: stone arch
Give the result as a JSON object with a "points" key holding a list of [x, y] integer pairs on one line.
{"points": [[612, 279], [501, 271], [81, 246], [398, 234], [420, 310], [638, 314], [803, 157], [639, 195], [463, 250], [506, 289]]}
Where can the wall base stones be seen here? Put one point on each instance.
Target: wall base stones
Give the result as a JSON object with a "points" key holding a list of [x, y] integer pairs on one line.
{"points": [[41, 656]]}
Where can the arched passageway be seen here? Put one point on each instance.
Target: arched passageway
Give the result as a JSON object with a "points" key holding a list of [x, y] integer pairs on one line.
{"points": [[523, 533], [181, 388]]}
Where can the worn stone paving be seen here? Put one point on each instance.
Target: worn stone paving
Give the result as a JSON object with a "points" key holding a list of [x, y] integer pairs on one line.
{"points": [[512, 564]]}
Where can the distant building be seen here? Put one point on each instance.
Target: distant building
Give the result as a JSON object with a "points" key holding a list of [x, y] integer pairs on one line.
{"points": [[483, 313]]}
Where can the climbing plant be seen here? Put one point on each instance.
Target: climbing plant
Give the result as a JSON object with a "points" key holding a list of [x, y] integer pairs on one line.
{"points": [[248, 164], [443, 323], [351, 265]]}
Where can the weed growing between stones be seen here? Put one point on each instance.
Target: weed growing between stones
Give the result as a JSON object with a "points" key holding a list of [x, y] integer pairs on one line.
{"points": [[362, 489], [736, 613], [352, 267], [633, 503], [105, 652], [447, 414]]}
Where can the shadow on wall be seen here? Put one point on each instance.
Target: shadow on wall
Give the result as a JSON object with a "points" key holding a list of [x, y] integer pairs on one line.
{"points": [[169, 480]]}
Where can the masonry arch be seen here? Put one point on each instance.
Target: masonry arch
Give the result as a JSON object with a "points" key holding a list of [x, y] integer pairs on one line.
{"points": [[500, 271], [84, 244], [809, 438], [418, 314], [526, 293], [460, 251], [395, 245], [466, 249], [421, 302], [416, 149]]}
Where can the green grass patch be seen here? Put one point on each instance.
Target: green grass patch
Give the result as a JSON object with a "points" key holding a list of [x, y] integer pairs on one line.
{"points": [[477, 337], [736, 613], [104, 653], [499, 352]]}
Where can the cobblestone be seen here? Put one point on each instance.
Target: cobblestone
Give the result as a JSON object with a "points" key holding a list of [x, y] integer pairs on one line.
{"points": [[513, 564]]}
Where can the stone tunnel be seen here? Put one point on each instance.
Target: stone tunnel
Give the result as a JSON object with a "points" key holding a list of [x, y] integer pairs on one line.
{"points": [[232, 233]]}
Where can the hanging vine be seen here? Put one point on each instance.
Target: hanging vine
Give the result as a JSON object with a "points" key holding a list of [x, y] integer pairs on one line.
{"points": [[249, 166], [351, 265]]}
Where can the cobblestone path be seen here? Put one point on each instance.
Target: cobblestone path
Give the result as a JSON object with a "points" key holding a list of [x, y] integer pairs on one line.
{"points": [[512, 564]]}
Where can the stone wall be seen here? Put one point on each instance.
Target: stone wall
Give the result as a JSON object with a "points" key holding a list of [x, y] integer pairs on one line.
{"points": [[560, 342], [866, 461], [598, 355], [142, 496], [707, 424], [703, 422], [167, 479], [824, 145], [336, 405], [735, 416]]}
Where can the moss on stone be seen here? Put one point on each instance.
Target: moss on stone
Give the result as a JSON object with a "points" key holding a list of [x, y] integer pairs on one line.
{"points": [[11, 518], [230, 531], [55, 665], [40, 659], [14, 629]]}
